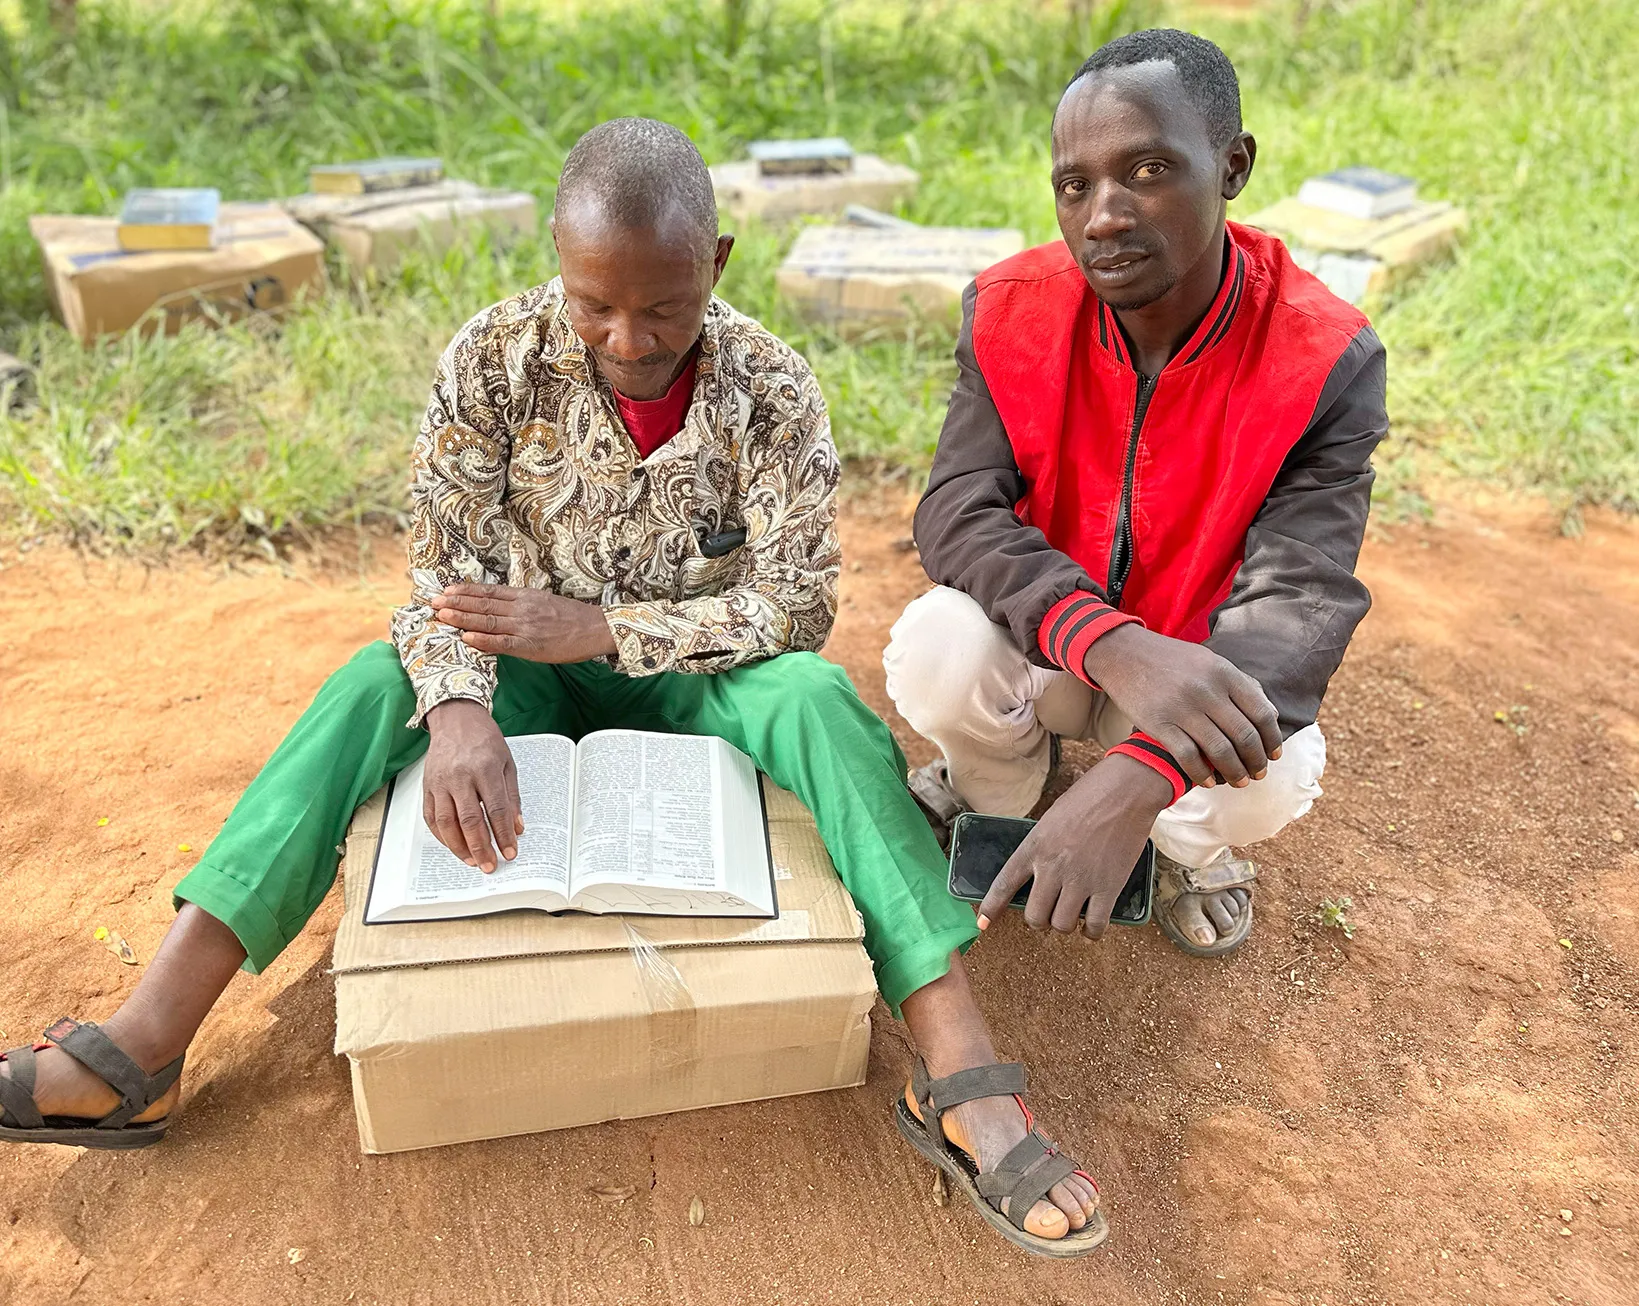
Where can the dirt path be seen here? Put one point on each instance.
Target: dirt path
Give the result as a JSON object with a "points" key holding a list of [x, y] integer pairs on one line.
{"points": [[1398, 1119]]}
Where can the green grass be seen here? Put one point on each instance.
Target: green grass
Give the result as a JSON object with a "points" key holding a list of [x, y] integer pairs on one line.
{"points": [[1516, 362]]}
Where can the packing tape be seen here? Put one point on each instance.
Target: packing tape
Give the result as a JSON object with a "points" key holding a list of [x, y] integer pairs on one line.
{"points": [[676, 1029]]}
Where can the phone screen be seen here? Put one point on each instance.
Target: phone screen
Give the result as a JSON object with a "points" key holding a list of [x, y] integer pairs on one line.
{"points": [[980, 846]]}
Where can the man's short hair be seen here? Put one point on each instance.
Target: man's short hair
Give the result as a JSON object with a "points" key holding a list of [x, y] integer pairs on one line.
{"points": [[1208, 76], [640, 173]]}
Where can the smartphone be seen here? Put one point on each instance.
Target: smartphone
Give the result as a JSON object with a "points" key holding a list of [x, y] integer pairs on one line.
{"points": [[980, 846]]}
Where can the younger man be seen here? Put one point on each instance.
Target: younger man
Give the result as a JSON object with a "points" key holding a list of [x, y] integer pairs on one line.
{"points": [[1143, 514]]}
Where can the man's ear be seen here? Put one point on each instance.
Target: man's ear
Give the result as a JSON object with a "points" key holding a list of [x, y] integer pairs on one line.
{"points": [[1239, 156], [552, 226], [719, 260]]}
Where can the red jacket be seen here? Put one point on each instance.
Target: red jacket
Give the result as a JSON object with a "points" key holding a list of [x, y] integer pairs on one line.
{"points": [[1222, 501]]}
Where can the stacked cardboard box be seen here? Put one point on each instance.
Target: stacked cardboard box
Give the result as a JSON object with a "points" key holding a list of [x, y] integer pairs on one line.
{"points": [[1361, 257], [511, 1024], [745, 191], [857, 276], [374, 231], [262, 262]]}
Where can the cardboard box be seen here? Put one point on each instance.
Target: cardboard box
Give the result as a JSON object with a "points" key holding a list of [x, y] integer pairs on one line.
{"points": [[857, 276], [521, 1022], [1360, 257], [263, 262], [743, 192], [375, 230]]}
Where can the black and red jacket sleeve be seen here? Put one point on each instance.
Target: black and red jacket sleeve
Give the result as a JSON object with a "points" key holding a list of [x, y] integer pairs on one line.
{"points": [[971, 539], [1296, 601]]}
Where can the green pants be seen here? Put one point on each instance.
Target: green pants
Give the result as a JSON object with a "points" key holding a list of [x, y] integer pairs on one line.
{"points": [[797, 716]]}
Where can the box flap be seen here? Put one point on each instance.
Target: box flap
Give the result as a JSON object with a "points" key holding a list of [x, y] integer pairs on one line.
{"points": [[814, 907]]}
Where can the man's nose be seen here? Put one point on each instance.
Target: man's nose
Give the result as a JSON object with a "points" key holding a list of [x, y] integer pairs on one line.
{"points": [[629, 341], [1110, 215]]}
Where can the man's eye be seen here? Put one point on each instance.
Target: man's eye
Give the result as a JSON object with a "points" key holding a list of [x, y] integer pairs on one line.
{"points": [[1072, 187], [1149, 171]]}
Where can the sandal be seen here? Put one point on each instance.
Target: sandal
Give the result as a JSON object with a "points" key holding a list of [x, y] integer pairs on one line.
{"points": [[1032, 1167], [21, 1121], [1172, 881]]}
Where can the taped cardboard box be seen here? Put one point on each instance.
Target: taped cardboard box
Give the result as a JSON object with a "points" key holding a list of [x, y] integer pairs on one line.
{"points": [[522, 1022], [744, 192], [263, 262], [1362, 257], [856, 276], [377, 230]]}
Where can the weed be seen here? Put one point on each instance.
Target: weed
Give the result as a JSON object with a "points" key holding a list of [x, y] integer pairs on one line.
{"points": [[1334, 915]]}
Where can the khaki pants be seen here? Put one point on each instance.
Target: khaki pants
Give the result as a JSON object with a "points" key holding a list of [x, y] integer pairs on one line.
{"points": [[962, 682]]}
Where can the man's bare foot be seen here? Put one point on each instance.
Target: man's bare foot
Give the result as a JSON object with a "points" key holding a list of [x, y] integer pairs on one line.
{"points": [[64, 1087], [987, 1130], [1208, 917]]}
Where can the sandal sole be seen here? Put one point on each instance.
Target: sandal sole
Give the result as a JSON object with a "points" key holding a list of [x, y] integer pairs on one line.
{"points": [[126, 1139], [959, 1170]]}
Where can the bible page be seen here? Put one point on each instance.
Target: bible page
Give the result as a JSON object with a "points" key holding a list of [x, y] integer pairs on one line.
{"points": [[416, 876], [650, 830]]}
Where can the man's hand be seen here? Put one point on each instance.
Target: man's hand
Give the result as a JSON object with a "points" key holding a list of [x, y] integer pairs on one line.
{"points": [[525, 623], [1201, 708], [1083, 850], [470, 787]]}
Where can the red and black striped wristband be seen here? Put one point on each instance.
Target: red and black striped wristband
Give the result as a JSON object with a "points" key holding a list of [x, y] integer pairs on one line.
{"points": [[1141, 748], [1072, 625]]}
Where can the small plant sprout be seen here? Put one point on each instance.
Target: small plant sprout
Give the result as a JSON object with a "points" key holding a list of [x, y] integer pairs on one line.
{"points": [[1335, 915]]}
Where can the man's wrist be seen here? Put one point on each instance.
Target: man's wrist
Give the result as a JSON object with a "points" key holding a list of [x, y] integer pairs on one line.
{"points": [[1142, 787], [452, 709], [1109, 650]]}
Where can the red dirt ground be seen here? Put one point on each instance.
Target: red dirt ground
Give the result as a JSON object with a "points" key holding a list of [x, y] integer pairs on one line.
{"points": [[1401, 1118]]}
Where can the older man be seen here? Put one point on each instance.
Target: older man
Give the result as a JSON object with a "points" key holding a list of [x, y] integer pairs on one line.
{"points": [[1143, 514], [624, 502]]}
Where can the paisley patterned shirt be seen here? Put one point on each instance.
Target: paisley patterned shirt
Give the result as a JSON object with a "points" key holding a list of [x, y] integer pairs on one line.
{"points": [[524, 475]]}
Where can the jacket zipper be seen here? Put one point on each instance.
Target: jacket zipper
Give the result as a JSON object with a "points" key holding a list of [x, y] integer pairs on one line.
{"points": [[1121, 547]]}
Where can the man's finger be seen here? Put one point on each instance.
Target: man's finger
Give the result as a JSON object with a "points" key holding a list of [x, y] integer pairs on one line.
{"points": [[476, 830], [1186, 754], [1067, 914], [501, 810], [1216, 748], [1099, 907], [447, 827], [1044, 896], [461, 605], [1005, 885], [487, 643], [1244, 738], [497, 593], [517, 799], [1248, 695]]}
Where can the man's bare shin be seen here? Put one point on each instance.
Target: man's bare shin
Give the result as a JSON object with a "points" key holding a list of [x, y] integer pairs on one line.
{"points": [[197, 958], [946, 1024]]}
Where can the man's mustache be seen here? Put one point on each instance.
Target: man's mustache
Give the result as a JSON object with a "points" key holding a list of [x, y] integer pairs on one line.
{"points": [[648, 360]]}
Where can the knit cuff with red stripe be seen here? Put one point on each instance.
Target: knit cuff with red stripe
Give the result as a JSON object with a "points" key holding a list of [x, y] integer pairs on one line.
{"points": [[1070, 627], [1141, 748]]}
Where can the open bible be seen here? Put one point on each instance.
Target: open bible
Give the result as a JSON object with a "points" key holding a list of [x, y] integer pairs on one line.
{"points": [[624, 821]]}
